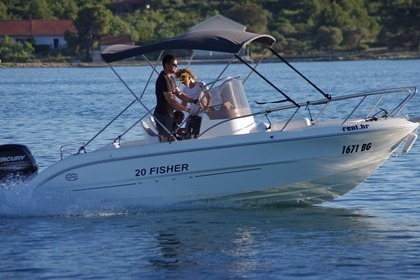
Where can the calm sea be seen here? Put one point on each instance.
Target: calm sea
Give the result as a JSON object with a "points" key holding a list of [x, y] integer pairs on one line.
{"points": [[372, 232]]}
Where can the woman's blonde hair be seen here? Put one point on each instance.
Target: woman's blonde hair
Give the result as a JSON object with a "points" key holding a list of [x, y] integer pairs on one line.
{"points": [[183, 74]]}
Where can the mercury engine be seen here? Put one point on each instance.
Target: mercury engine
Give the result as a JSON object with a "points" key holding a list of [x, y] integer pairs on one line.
{"points": [[16, 161]]}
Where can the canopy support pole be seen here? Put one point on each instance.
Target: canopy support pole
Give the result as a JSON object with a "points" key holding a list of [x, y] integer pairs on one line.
{"points": [[267, 81], [328, 96]]}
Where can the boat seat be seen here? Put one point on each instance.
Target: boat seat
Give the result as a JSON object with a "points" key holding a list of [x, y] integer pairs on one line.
{"points": [[150, 135]]}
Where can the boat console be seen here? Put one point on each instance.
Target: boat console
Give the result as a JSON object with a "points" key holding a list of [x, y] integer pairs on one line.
{"points": [[226, 109]]}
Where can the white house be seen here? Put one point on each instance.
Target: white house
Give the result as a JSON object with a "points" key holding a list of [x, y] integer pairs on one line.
{"points": [[39, 32]]}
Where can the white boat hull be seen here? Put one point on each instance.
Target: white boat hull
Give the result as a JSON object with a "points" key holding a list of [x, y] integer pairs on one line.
{"points": [[310, 165]]}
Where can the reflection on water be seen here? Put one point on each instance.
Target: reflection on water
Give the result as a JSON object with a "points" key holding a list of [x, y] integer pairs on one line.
{"points": [[169, 245], [314, 241], [247, 241]]}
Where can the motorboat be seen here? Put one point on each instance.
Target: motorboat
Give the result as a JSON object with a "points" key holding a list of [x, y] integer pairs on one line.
{"points": [[277, 151]]}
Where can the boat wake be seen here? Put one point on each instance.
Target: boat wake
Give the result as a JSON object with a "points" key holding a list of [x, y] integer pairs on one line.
{"points": [[19, 198], [16, 199]]}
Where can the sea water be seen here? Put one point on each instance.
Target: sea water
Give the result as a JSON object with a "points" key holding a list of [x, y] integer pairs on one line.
{"points": [[373, 232]]}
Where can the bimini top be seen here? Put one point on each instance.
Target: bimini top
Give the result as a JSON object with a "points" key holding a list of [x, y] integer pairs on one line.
{"points": [[221, 40]]}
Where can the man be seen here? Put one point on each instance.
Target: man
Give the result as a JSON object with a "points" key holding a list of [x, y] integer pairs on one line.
{"points": [[166, 91]]}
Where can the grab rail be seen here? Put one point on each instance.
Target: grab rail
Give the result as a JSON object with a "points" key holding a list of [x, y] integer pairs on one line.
{"points": [[409, 91]]}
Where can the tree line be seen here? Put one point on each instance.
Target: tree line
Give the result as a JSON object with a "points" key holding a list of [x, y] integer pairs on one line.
{"points": [[300, 26]]}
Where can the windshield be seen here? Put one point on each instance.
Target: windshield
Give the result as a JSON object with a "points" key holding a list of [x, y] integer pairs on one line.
{"points": [[227, 100]]}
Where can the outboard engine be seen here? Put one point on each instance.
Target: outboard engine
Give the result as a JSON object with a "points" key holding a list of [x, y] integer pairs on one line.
{"points": [[16, 161]]}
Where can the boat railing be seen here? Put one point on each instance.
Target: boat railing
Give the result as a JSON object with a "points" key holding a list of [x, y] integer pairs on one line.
{"points": [[404, 96], [371, 111]]}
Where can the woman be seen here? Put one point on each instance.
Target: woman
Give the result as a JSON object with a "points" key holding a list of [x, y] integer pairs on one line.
{"points": [[192, 87]]}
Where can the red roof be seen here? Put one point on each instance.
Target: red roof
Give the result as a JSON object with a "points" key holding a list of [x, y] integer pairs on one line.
{"points": [[35, 27]]}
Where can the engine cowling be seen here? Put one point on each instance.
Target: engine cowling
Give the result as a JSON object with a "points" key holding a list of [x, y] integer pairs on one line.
{"points": [[16, 161]]}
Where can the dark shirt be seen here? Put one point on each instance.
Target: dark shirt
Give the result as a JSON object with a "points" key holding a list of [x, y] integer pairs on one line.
{"points": [[164, 84]]}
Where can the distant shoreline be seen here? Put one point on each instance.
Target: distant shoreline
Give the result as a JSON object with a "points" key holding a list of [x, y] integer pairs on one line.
{"points": [[290, 58]]}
